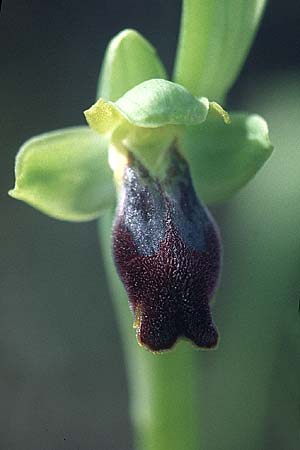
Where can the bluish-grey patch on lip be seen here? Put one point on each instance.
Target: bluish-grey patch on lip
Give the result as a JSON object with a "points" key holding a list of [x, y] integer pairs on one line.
{"points": [[143, 209], [146, 202], [189, 215]]}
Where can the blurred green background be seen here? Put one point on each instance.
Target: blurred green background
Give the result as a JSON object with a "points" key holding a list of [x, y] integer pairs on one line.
{"points": [[62, 377]]}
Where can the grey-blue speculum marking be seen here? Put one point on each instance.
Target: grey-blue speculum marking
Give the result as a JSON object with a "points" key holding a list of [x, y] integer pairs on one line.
{"points": [[167, 251]]}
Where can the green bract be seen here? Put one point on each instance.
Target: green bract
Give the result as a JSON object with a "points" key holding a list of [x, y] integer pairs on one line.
{"points": [[210, 54], [65, 174]]}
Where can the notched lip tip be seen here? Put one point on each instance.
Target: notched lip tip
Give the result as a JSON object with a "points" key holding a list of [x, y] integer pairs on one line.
{"points": [[161, 351], [209, 348], [213, 346]]}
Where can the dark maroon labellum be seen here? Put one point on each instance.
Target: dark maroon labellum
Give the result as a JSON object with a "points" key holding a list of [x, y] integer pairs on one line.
{"points": [[167, 251]]}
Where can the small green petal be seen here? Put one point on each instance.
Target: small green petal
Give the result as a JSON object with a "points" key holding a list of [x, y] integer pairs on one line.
{"points": [[129, 60], [65, 174], [103, 117], [216, 110], [224, 157]]}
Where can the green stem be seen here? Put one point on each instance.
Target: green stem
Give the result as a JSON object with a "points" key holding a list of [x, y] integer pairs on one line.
{"points": [[162, 387]]}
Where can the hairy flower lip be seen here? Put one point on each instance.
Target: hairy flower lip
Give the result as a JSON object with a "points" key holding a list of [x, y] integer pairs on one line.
{"points": [[167, 251], [161, 315]]}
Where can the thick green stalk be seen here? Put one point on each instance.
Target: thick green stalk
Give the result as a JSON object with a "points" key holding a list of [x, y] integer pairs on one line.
{"points": [[162, 387]]}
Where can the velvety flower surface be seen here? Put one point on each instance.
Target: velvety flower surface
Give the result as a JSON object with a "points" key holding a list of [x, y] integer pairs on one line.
{"points": [[167, 251]]}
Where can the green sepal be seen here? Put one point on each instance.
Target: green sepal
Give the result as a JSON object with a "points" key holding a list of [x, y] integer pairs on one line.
{"points": [[129, 60], [224, 157], [157, 102], [65, 174], [148, 117], [151, 104]]}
